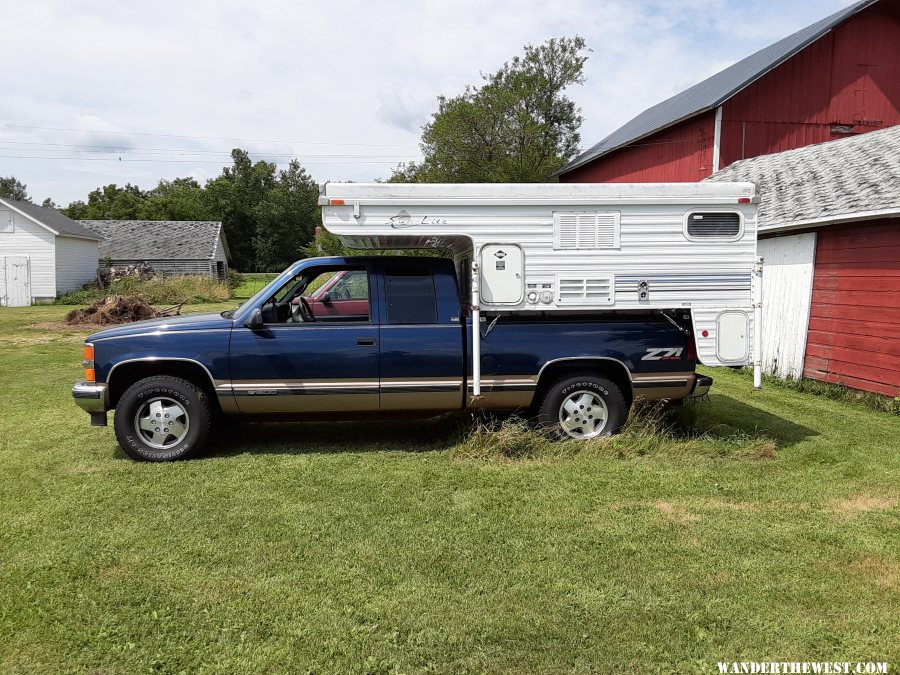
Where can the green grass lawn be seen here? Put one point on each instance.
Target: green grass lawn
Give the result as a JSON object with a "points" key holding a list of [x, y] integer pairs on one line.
{"points": [[380, 548], [253, 282]]}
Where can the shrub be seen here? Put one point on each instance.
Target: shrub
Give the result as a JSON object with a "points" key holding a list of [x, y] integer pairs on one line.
{"points": [[156, 291], [235, 280]]}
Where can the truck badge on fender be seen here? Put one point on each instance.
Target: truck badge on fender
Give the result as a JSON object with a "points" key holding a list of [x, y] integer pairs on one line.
{"points": [[663, 354]]}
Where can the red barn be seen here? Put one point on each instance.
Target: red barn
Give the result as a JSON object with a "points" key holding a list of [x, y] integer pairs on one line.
{"points": [[830, 212], [837, 77], [829, 222]]}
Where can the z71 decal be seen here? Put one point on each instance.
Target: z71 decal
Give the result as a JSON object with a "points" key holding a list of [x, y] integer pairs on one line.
{"points": [[663, 354]]}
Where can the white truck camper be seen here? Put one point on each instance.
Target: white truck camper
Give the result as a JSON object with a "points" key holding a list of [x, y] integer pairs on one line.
{"points": [[580, 248]]}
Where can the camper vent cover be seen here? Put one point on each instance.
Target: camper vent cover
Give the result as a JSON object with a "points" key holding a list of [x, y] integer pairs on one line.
{"points": [[592, 229], [702, 225], [578, 290]]}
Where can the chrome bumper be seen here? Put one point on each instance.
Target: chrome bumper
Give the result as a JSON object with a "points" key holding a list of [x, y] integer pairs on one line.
{"points": [[702, 383], [90, 397]]}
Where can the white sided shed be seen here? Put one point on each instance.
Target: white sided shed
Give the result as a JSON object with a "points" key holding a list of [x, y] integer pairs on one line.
{"points": [[42, 254]]}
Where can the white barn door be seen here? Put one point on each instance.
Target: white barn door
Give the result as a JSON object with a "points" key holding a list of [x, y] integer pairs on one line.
{"points": [[18, 281]]}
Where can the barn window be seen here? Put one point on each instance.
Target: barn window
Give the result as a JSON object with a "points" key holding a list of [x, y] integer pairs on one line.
{"points": [[718, 225], [6, 221]]}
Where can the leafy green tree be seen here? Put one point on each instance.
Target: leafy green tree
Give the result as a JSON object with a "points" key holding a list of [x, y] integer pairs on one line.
{"points": [[177, 199], [269, 216], [233, 197], [110, 202], [49, 204], [518, 127], [286, 219], [12, 188]]}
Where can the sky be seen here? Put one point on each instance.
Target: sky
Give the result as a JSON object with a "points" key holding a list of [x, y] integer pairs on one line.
{"points": [[132, 92]]}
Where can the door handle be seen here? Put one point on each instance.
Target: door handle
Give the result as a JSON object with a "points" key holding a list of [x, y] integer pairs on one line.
{"points": [[365, 342]]}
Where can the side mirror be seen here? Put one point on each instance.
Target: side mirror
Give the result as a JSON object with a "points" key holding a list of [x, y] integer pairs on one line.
{"points": [[326, 298], [255, 320]]}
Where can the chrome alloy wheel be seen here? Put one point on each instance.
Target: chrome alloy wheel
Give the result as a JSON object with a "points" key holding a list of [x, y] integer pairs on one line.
{"points": [[161, 423], [583, 414]]}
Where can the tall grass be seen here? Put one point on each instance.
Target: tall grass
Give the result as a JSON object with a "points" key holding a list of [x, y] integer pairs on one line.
{"points": [[651, 429], [156, 291], [837, 392]]}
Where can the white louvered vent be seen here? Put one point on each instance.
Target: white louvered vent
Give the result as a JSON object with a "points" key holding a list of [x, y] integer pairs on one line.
{"points": [[582, 290], [587, 230]]}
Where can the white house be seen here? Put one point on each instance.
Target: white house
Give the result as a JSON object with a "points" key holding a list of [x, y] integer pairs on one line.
{"points": [[42, 254]]}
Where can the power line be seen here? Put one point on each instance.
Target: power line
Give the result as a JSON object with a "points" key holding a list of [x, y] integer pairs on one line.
{"points": [[170, 161], [205, 138], [51, 147]]}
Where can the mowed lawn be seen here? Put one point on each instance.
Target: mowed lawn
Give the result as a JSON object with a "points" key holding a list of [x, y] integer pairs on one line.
{"points": [[378, 548]]}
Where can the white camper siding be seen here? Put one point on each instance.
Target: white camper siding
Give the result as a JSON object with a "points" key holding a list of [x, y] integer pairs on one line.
{"points": [[37, 244], [76, 263], [787, 294]]}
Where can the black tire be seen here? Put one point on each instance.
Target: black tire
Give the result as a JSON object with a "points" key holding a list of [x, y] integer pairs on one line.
{"points": [[592, 388], [182, 404]]}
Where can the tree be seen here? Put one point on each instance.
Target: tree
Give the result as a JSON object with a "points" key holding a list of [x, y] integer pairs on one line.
{"points": [[286, 219], [518, 127], [110, 202], [233, 197], [177, 199], [12, 188]]}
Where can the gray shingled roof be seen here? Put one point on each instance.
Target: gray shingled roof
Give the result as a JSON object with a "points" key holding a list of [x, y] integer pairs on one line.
{"points": [[157, 239], [715, 90], [838, 180], [52, 219]]}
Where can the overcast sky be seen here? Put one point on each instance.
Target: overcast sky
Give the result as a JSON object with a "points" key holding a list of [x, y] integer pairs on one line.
{"points": [[116, 92]]}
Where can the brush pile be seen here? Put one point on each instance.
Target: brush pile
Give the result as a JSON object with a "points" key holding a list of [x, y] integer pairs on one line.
{"points": [[119, 309]]}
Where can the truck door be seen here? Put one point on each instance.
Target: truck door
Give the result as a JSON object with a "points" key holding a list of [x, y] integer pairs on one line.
{"points": [[300, 361], [421, 337]]}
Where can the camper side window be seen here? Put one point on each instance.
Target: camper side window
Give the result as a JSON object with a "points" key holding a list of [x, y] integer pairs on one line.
{"points": [[718, 225]]}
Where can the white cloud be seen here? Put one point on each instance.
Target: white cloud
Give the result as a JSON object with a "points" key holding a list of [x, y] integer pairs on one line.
{"points": [[345, 85]]}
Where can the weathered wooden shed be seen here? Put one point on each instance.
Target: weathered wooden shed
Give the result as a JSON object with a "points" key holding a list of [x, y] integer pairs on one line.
{"points": [[838, 77], [171, 247]]}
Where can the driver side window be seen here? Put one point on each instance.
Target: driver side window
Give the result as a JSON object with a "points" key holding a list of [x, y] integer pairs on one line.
{"points": [[324, 295]]}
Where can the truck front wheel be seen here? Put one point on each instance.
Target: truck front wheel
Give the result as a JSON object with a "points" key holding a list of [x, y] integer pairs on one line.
{"points": [[583, 407], [162, 419]]}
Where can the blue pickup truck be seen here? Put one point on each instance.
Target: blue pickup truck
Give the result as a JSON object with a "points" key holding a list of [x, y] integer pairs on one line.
{"points": [[387, 337]]}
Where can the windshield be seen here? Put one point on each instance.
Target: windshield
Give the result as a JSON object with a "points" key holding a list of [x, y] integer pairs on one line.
{"points": [[265, 292]]}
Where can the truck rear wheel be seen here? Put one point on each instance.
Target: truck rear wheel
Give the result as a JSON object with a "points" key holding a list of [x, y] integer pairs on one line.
{"points": [[162, 419], [583, 407]]}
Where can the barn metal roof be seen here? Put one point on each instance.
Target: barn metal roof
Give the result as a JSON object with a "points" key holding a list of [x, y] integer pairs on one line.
{"points": [[714, 90], [51, 219], [158, 239], [856, 178]]}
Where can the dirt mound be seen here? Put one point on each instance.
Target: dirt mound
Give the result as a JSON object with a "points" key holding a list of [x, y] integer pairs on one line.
{"points": [[118, 309]]}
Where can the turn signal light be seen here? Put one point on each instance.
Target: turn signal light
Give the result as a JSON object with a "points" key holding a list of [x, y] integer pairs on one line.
{"points": [[88, 364]]}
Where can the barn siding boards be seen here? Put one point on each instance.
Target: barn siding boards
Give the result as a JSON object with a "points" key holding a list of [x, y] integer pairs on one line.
{"points": [[849, 77], [680, 154], [76, 263], [855, 315], [843, 71], [787, 289]]}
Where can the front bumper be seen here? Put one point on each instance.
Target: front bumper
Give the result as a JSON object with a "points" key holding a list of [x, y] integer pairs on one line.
{"points": [[91, 397], [702, 383]]}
